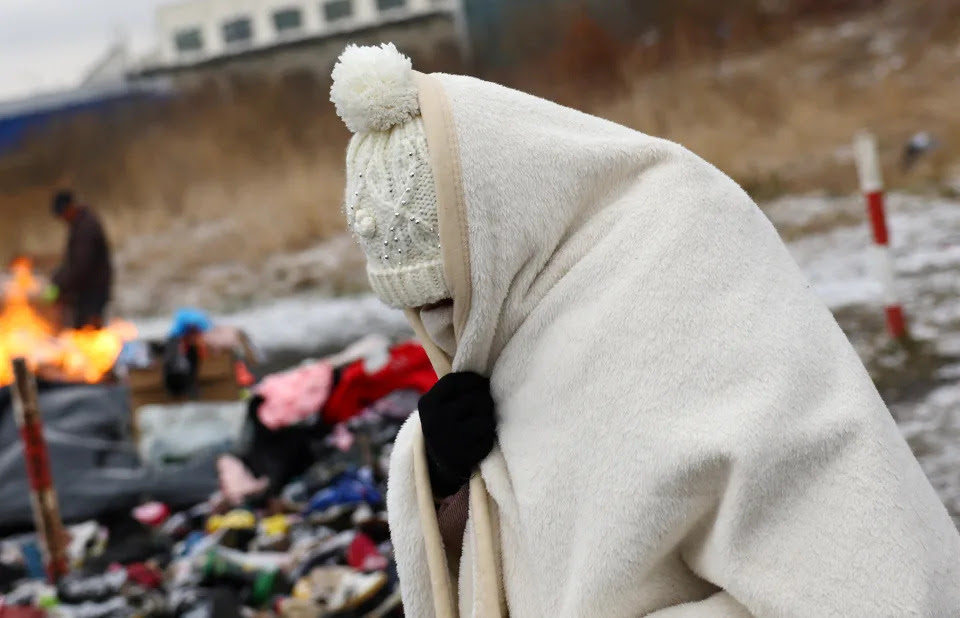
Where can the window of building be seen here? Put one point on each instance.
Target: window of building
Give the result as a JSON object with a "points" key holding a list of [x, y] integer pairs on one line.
{"points": [[188, 40], [238, 31], [387, 5], [288, 20], [335, 10]]}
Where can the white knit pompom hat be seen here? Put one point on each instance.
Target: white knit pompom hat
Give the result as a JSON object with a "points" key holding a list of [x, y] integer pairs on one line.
{"points": [[391, 202]]}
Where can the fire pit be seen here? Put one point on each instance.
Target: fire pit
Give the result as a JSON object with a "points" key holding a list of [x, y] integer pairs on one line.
{"points": [[31, 330]]}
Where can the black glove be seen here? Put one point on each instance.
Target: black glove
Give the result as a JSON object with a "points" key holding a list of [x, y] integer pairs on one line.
{"points": [[459, 429]]}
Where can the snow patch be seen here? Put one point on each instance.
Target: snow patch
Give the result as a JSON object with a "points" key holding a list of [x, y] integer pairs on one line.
{"points": [[305, 324]]}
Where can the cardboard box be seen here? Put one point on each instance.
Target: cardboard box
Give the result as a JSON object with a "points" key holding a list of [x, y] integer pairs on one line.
{"points": [[216, 381]]}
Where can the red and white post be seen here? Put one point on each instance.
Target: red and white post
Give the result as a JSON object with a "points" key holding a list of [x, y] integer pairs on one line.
{"points": [[43, 494], [871, 183]]}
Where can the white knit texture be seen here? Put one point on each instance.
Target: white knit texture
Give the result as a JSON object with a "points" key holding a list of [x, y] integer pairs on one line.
{"points": [[373, 88], [391, 207]]}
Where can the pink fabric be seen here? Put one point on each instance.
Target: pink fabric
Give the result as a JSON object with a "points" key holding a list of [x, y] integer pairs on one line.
{"points": [[342, 438], [226, 338], [236, 482], [295, 395], [152, 514]]}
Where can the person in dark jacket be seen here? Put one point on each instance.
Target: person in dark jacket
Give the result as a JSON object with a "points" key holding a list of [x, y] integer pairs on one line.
{"points": [[84, 281]]}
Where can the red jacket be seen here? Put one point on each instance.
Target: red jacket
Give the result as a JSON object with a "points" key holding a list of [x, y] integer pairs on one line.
{"points": [[408, 368]]}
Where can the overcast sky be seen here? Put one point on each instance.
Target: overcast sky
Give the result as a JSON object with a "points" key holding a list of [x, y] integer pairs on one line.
{"points": [[48, 44]]}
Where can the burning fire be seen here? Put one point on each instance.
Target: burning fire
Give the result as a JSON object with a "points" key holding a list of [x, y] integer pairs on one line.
{"points": [[69, 355]]}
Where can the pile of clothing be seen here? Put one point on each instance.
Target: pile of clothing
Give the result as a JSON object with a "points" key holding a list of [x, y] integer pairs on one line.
{"points": [[297, 527]]}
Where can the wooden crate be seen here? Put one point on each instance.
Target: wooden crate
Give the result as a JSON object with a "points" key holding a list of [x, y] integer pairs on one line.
{"points": [[216, 381]]}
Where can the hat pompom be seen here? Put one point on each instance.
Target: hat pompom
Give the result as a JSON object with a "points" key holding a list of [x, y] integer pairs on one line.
{"points": [[373, 88]]}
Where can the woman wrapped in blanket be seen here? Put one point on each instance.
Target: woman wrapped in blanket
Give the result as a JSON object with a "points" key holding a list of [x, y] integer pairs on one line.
{"points": [[644, 410]]}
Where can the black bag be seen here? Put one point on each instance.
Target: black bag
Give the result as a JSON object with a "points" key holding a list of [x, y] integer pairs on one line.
{"points": [[180, 364]]}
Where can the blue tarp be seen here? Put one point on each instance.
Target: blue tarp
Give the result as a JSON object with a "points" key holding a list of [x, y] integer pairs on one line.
{"points": [[19, 118]]}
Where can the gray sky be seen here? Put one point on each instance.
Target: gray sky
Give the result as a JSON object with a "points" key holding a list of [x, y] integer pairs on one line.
{"points": [[48, 44]]}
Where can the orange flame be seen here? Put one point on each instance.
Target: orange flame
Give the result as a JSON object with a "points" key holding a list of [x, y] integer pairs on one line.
{"points": [[70, 355]]}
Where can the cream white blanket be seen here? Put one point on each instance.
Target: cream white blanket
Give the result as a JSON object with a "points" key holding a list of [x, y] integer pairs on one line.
{"points": [[684, 430]]}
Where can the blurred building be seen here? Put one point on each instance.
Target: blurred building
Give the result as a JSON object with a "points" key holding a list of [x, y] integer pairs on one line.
{"points": [[200, 39]]}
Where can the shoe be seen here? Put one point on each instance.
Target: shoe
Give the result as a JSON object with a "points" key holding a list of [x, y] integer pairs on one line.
{"points": [[341, 592]]}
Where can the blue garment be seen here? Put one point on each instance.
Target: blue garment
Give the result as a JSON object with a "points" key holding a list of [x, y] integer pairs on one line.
{"points": [[33, 559], [134, 354], [186, 320], [194, 541], [349, 489]]}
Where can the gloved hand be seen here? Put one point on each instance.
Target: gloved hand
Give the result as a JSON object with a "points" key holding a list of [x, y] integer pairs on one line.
{"points": [[459, 429], [51, 293]]}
